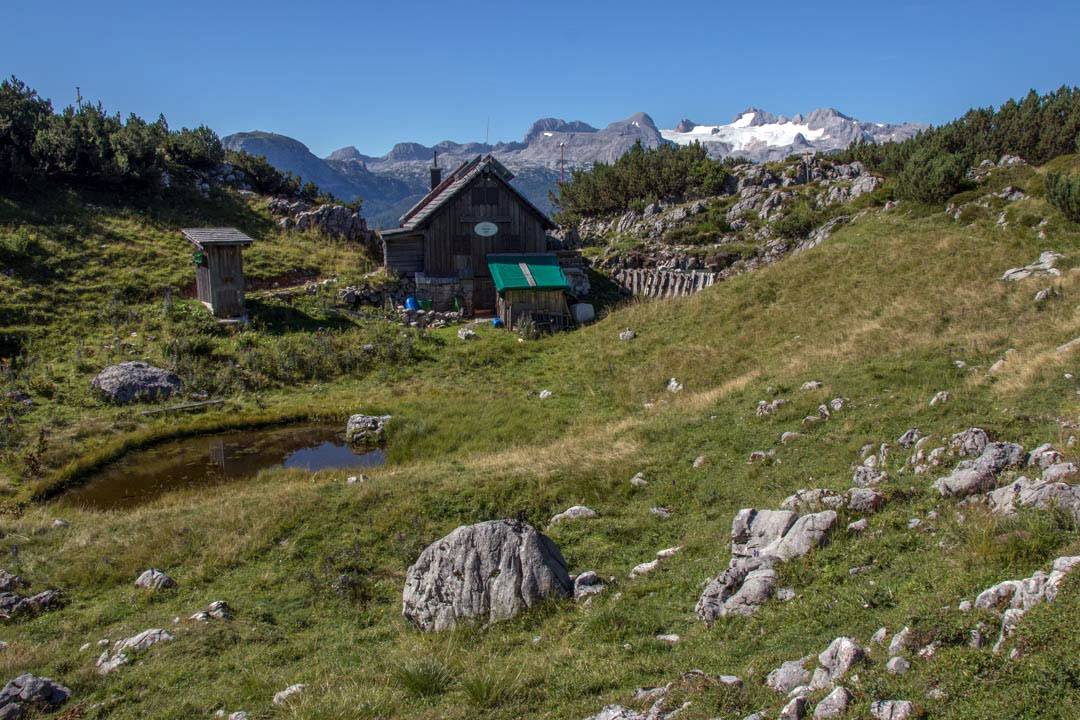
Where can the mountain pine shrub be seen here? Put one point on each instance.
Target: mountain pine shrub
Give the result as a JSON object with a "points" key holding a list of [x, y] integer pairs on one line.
{"points": [[1063, 192]]}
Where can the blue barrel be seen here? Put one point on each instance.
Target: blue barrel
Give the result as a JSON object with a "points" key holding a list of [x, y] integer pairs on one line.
{"points": [[411, 304], [496, 322]]}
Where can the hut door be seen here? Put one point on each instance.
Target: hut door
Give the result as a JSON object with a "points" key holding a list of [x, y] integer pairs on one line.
{"points": [[483, 294]]}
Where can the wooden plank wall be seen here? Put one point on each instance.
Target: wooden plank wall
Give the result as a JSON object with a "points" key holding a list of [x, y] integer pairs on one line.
{"points": [[404, 255], [453, 247]]}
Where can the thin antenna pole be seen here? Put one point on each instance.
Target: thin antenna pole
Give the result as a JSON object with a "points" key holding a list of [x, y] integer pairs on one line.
{"points": [[487, 132], [78, 96], [562, 161]]}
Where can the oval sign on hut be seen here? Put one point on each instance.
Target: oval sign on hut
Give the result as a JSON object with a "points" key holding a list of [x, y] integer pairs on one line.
{"points": [[486, 229]]}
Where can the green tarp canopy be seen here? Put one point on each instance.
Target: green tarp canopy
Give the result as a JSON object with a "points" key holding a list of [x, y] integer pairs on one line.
{"points": [[526, 272]]}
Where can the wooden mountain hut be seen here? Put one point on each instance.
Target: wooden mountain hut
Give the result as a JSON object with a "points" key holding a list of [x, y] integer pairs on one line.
{"points": [[445, 239], [530, 287], [219, 269]]}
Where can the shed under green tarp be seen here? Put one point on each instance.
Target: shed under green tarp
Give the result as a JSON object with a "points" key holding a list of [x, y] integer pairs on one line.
{"points": [[526, 272]]}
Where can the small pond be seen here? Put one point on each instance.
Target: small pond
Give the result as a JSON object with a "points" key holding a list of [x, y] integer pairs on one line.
{"points": [[209, 460]]}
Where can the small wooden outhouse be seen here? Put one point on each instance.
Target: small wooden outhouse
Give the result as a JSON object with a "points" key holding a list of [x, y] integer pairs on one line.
{"points": [[219, 269], [530, 286]]}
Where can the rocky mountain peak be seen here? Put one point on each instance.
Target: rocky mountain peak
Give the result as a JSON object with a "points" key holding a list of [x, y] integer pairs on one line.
{"points": [[346, 154], [554, 125]]}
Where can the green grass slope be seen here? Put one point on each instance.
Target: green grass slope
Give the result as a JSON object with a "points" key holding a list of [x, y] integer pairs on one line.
{"points": [[314, 567]]}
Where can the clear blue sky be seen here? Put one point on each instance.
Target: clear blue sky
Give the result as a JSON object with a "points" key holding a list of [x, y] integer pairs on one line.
{"points": [[374, 73]]}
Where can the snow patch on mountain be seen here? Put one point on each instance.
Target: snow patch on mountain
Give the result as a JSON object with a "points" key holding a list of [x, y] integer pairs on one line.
{"points": [[742, 134]]}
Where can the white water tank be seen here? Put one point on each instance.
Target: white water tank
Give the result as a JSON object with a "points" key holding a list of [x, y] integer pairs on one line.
{"points": [[583, 313]]}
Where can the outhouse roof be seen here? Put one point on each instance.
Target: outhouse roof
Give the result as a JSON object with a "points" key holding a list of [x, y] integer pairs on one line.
{"points": [[215, 236]]}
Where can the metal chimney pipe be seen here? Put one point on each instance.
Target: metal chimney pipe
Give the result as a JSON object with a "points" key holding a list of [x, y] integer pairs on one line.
{"points": [[436, 171]]}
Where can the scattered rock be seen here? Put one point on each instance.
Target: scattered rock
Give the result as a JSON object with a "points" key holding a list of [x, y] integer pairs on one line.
{"points": [[154, 579], [868, 476], [577, 512], [123, 649], [787, 437], [1042, 494], [217, 610], [627, 335], [760, 539], [489, 571], [980, 475], [1043, 266], [897, 665], [60, 524], [858, 526], [674, 386], [366, 429], [13, 605], [892, 709], [812, 385], [909, 438], [834, 704], [644, 568], [700, 461], [545, 394], [639, 480], [587, 584], [10, 582], [941, 397], [31, 694], [900, 641], [135, 381], [670, 639], [794, 710], [281, 697], [660, 512], [466, 334], [835, 661], [788, 676], [969, 443], [765, 409]]}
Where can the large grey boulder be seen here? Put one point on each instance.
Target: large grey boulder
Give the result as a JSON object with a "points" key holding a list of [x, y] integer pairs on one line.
{"points": [[970, 442], [133, 381], [489, 571], [28, 693], [366, 429]]}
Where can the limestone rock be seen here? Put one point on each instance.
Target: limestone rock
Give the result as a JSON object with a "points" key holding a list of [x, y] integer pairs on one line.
{"points": [[366, 429], [897, 665], [980, 475], [900, 641], [868, 476], [794, 710], [835, 661], [1044, 456], [123, 649], [834, 704], [790, 675], [282, 696], [577, 512], [627, 335], [969, 443], [29, 693], [892, 709], [489, 571], [10, 582], [909, 438], [812, 385], [134, 381], [1041, 494], [587, 584], [154, 579], [13, 605], [1043, 266], [941, 397]]}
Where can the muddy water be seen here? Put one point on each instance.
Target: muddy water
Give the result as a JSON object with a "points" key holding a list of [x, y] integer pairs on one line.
{"points": [[210, 460]]}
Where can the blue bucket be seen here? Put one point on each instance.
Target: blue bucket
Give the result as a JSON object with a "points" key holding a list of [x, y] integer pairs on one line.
{"points": [[411, 304]]}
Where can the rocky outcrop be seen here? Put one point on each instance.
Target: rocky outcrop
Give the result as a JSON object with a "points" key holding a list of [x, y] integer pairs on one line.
{"points": [[28, 694], [1015, 597], [760, 539], [487, 572], [134, 381], [13, 605], [577, 512], [1044, 267], [333, 220], [980, 475]]}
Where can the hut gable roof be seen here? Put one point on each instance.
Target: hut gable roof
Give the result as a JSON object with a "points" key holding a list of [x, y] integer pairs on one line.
{"points": [[456, 182], [201, 237]]}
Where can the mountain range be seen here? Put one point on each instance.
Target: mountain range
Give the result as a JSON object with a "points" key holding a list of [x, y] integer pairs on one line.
{"points": [[391, 183]]}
